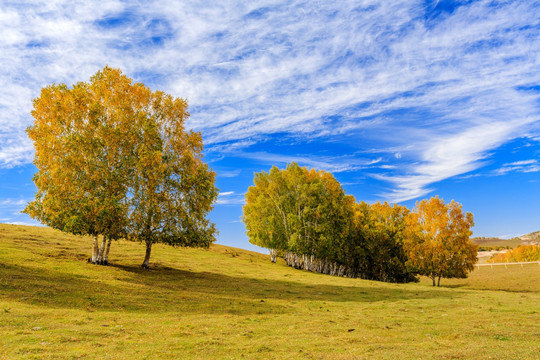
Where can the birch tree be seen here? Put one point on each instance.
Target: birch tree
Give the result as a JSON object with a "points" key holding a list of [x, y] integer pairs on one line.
{"points": [[302, 213], [114, 160], [265, 216], [438, 240], [83, 152], [380, 228], [172, 189], [307, 216]]}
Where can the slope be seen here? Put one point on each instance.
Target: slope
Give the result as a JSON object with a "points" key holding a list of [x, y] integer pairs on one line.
{"points": [[229, 303]]}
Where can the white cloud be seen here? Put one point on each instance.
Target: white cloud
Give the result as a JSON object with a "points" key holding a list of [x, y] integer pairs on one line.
{"points": [[11, 209], [249, 72], [334, 164], [229, 173], [523, 166], [448, 156], [522, 162], [10, 212], [230, 198], [13, 154], [13, 203]]}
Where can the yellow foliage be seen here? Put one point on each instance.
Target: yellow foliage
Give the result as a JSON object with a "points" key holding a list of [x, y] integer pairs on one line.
{"points": [[437, 240], [522, 253], [114, 159]]}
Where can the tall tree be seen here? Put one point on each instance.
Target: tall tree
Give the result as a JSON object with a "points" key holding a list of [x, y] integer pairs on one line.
{"points": [[172, 189], [83, 151], [114, 160], [264, 214], [437, 240]]}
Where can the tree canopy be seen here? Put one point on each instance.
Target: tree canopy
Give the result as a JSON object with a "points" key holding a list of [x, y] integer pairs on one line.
{"points": [[298, 210], [171, 188], [378, 236], [438, 240], [114, 160], [306, 216]]}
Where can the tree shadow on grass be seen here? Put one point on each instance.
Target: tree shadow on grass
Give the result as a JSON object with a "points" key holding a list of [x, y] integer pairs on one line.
{"points": [[169, 289], [452, 286]]}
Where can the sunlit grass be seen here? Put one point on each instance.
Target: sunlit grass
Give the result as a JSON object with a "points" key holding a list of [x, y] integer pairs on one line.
{"points": [[229, 303]]}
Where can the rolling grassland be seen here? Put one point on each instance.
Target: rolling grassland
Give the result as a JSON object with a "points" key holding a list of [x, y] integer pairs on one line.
{"points": [[227, 303]]}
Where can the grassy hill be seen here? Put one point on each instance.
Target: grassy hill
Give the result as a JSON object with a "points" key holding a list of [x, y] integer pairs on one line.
{"points": [[528, 239], [226, 303]]}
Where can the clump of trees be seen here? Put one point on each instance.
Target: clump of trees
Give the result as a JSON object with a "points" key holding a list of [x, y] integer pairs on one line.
{"points": [[114, 161], [493, 248], [302, 214], [306, 217], [378, 236], [295, 208], [522, 253]]}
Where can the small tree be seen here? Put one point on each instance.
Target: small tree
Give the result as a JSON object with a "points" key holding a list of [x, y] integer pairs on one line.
{"points": [[437, 240]]}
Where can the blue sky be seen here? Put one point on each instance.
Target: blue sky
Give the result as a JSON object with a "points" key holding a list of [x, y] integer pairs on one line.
{"points": [[401, 100]]}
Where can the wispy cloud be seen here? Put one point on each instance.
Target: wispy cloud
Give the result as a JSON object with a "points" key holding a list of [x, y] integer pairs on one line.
{"points": [[523, 166], [444, 86], [230, 198], [446, 157], [335, 164], [16, 151], [229, 173], [13, 203], [10, 211]]}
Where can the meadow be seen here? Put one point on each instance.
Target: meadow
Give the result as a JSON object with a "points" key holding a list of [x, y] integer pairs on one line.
{"points": [[227, 303]]}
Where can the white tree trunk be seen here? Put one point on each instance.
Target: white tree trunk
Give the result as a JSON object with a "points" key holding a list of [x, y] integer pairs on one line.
{"points": [[95, 250], [101, 251], [323, 266], [273, 255], [145, 264], [106, 256]]}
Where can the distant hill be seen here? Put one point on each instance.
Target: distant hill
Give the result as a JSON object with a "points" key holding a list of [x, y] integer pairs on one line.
{"points": [[527, 239], [532, 238]]}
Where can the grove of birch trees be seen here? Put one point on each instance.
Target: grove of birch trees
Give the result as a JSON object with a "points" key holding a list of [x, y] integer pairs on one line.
{"points": [[306, 217]]}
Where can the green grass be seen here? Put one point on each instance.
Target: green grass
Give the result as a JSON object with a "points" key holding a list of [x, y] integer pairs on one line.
{"points": [[226, 303]]}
